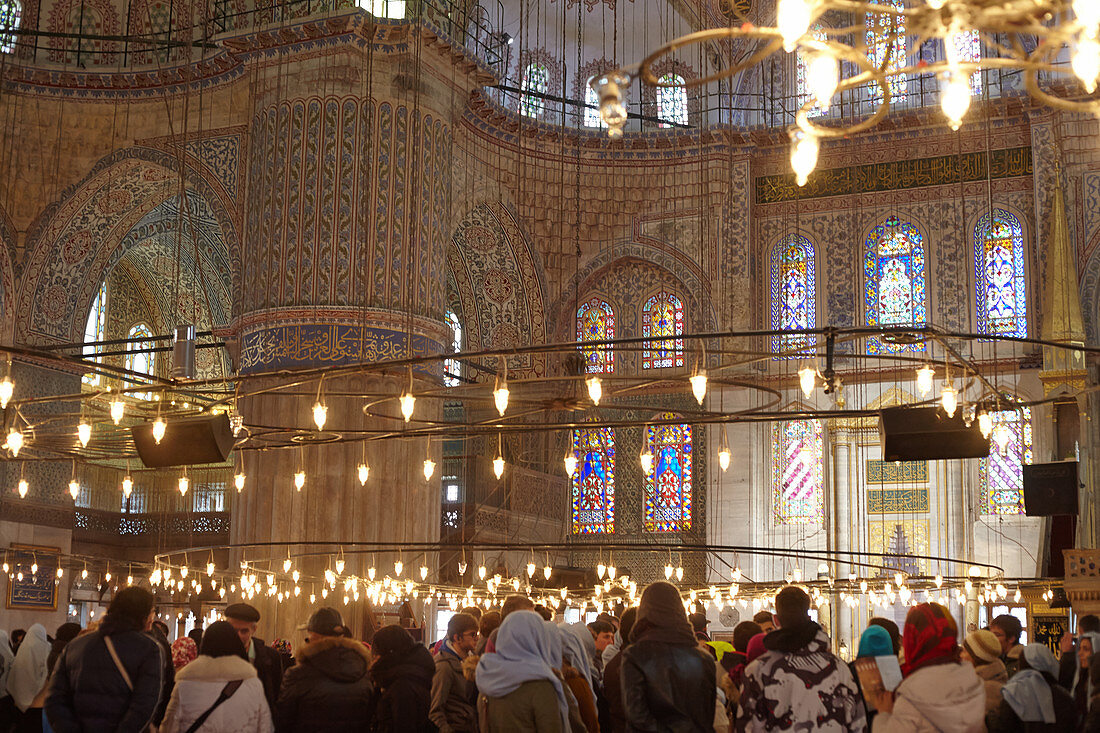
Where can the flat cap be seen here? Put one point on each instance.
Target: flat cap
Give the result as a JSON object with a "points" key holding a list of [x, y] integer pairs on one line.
{"points": [[242, 612]]}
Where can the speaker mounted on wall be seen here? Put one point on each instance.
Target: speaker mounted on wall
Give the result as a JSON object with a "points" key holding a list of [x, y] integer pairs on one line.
{"points": [[928, 434], [1050, 489], [187, 441]]}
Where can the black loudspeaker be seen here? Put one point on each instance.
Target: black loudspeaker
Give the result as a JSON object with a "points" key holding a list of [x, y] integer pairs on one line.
{"points": [[187, 441], [927, 433], [1050, 489]]}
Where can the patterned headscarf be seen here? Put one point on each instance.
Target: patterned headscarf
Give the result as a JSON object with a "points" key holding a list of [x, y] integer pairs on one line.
{"points": [[184, 652], [930, 637], [282, 646]]}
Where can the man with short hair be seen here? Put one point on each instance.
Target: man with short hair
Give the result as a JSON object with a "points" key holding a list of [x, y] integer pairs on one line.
{"points": [[699, 622], [765, 621], [268, 664], [798, 683], [453, 696], [1007, 628]]}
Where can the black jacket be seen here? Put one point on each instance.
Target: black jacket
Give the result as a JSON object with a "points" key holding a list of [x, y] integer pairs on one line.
{"points": [[328, 691], [668, 687], [87, 691], [403, 692], [269, 668], [1003, 719], [169, 677]]}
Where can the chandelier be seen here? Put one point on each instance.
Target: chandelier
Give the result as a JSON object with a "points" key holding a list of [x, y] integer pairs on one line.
{"points": [[1001, 25]]}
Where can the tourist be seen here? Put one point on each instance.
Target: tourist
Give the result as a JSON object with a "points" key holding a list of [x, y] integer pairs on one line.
{"points": [[1032, 699], [183, 652], [603, 636], [891, 629], [402, 675], [269, 667], [285, 651], [219, 691], [489, 622], [474, 611], [29, 671], [874, 642], [329, 689], [7, 705], [159, 632], [1007, 628], [1089, 641], [667, 681], [512, 603], [65, 633], [937, 692], [765, 620], [983, 650], [798, 679], [1092, 720], [195, 635], [699, 623], [110, 678], [576, 671], [1067, 648], [17, 637], [522, 691], [612, 674], [734, 662], [453, 707]]}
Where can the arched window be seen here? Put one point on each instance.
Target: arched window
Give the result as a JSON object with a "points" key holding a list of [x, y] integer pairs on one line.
{"points": [[452, 368], [536, 80], [797, 475], [794, 303], [594, 481], [672, 101], [967, 47], [592, 106], [139, 358], [95, 329], [392, 9], [596, 322], [663, 315], [1001, 475], [11, 14], [886, 36], [802, 85], [999, 275], [667, 496], [894, 288]]}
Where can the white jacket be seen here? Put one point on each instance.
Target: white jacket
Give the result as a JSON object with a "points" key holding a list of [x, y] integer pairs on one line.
{"points": [[200, 683], [943, 698]]}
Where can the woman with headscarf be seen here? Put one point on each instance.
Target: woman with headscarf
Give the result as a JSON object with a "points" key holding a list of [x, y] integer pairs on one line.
{"points": [[1033, 701], [402, 674], [982, 649], [184, 652], [1082, 688], [874, 642], [29, 673], [522, 691], [576, 674], [668, 683], [937, 692]]}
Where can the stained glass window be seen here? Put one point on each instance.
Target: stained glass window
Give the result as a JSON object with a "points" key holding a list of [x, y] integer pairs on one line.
{"points": [[668, 487], [968, 48], [11, 13], [672, 102], [138, 357], [663, 315], [453, 367], [536, 78], [596, 322], [999, 275], [886, 35], [1001, 475], [794, 305], [592, 106], [797, 475], [94, 329], [594, 481], [802, 84], [894, 291]]}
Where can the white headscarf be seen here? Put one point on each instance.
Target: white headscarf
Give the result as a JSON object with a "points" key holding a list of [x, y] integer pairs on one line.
{"points": [[7, 657], [28, 672]]}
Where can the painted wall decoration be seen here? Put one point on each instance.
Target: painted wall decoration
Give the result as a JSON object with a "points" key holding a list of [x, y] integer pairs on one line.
{"points": [[896, 472], [35, 590]]}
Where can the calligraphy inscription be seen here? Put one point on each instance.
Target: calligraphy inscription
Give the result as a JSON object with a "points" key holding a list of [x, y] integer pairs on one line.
{"points": [[37, 590], [897, 472], [888, 501], [312, 344], [1049, 630]]}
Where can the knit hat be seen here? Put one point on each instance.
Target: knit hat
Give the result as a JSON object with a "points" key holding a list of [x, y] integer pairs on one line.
{"points": [[983, 646], [391, 639], [875, 642]]}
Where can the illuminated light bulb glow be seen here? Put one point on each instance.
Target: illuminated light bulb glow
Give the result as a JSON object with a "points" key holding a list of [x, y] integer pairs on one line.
{"points": [[159, 428], [601, 570], [1002, 436], [364, 473], [985, 423], [481, 572], [498, 466], [804, 152], [570, 464], [647, 461], [546, 571], [398, 567], [24, 487], [699, 385], [668, 571], [724, 459], [1086, 62], [955, 99], [924, 379], [530, 569], [949, 398], [74, 489], [807, 379], [127, 487], [118, 410], [210, 568], [595, 389], [287, 563], [299, 480], [83, 433], [429, 468], [679, 572], [320, 415], [7, 389], [408, 404], [339, 566], [238, 482], [500, 397], [185, 484], [423, 572], [822, 78], [793, 18], [14, 442]]}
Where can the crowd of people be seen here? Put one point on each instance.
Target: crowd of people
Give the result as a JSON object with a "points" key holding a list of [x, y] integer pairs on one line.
{"points": [[514, 670]]}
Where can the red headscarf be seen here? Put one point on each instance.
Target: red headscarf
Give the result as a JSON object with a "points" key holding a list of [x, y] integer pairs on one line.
{"points": [[184, 651], [930, 637]]}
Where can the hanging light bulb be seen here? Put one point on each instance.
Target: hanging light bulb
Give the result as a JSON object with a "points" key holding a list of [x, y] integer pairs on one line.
{"points": [[398, 567], [724, 458], [118, 410], [646, 458], [238, 482], [287, 563], [530, 569], [364, 473], [793, 18], [83, 433], [498, 462], [546, 572], [955, 97], [7, 389], [429, 468], [601, 570], [74, 489], [210, 569], [668, 571], [595, 389], [804, 151], [24, 487], [185, 484], [408, 403], [159, 428], [1088, 14], [822, 77], [423, 572], [1086, 61], [1002, 436], [14, 442], [570, 463], [371, 572], [924, 379], [699, 385], [340, 565], [949, 398], [611, 571], [679, 572], [807, 379], [985, 423], [320, 415], [127, 486], [299, 480], [481, 572], [500, 392]]}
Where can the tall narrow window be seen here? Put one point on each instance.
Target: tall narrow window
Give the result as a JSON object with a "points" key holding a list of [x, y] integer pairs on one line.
{"points": [[667, 496], [452, 368], [663, 316], [391, 9], [592, 106], [594, 481], [1001, 475], [794, 305], [797, 475], [596, 322], [672, 101], [999, 275], [94, 329], [886, 37], [11, 14], [140, 358], [802, 85], [894, 289], [967, 47], [536, 81]]}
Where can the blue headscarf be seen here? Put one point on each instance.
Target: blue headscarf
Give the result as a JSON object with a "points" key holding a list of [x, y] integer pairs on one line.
{"points": [[1027, 692], [525, 651], [875, 642], [575, 649]]}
